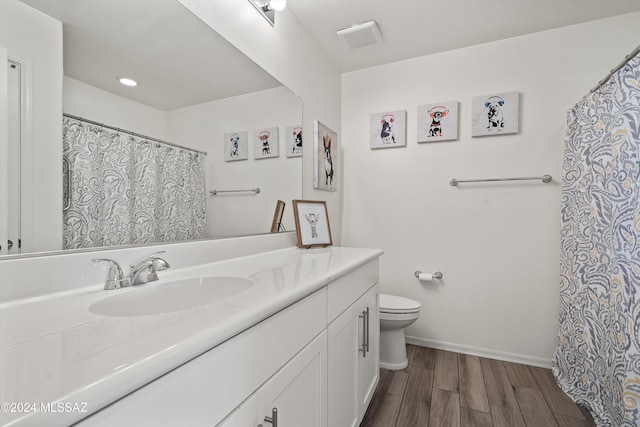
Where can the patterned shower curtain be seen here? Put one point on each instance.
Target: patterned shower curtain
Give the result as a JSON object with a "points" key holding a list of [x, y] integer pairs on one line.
{"points": [[597, 361], [124, 189]]}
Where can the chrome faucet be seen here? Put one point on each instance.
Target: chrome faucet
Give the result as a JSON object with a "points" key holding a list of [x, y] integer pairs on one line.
{"points": [[147, 269], [143, 272], [115, 276]]}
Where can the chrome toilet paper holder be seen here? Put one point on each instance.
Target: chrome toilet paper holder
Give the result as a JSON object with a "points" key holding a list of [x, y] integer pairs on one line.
{"points": [[436, 275]]}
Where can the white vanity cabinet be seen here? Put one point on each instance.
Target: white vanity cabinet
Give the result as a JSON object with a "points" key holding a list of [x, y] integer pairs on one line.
{"points": [[315, 361], [353, 346], [281, 359], [296, 392]]}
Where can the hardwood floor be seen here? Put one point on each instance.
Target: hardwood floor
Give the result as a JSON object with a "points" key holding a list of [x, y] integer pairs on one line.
{"points": [[440, 388]]}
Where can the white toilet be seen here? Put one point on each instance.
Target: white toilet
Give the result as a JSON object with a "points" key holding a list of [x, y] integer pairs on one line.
{"points": [[396, 313]]}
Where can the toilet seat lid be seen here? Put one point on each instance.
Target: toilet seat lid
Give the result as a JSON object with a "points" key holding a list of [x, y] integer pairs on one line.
{"points": [[397, 304]]}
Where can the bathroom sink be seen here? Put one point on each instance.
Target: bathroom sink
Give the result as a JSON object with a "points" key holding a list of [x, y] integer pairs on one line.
{"points": [[171, 296]]}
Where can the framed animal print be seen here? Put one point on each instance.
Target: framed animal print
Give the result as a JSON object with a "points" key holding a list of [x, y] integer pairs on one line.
{"points": [[236, 146], [438, 122], [389, 129], [294, 140], [495, 114], [325, 157], [312, 223], [265, 143]]}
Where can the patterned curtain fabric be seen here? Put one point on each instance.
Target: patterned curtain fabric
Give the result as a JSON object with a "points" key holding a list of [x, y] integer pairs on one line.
{"points": [[597, 361], [125, 189]]}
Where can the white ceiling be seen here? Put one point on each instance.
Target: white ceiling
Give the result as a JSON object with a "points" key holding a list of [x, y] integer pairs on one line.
{"points": [[169, 50], [177, 59], [412, 28]]}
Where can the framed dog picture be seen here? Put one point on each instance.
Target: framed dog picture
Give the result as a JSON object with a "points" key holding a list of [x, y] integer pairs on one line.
{"points": [[325, 157], [236, 146], [265, 143], [294, 140], [495, 114], [312, 223], [438, 122], [388, 129]]}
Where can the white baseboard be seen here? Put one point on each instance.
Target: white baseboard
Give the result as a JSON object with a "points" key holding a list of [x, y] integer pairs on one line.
{"points": [[481, 352]]}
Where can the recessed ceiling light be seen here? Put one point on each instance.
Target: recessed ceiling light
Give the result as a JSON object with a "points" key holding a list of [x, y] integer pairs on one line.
{"points": [[127, 81]]}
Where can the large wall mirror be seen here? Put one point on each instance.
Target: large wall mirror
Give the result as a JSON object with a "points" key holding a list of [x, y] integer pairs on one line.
{"points": [[194, 90]]}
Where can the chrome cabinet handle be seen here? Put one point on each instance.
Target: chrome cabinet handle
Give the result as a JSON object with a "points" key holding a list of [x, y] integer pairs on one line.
{"points": [[366, 344], [273, 419], [364, 316]]}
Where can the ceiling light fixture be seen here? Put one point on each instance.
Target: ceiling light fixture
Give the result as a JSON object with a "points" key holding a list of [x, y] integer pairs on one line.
{"points": [[268, 8], [127, 81]]}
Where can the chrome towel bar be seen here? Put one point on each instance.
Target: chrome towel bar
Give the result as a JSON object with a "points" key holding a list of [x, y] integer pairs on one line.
{"points": [[254, 190], [545, 178]]}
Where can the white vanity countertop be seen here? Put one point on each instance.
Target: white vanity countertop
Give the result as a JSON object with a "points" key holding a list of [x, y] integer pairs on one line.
{"points": [[58, 355]]}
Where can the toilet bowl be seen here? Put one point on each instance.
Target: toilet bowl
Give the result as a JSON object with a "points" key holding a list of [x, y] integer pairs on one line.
{"points": [[396, 313]]}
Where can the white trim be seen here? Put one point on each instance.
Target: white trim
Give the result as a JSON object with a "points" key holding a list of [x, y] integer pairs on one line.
{"points": [[4, 143], [481, 352], [27, 171], [393, 367]]}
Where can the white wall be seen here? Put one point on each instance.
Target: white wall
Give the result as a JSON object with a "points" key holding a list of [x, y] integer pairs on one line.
{"points": [[203, 127], [289, 54], [41, 54], [90, 102], [496, 244]]}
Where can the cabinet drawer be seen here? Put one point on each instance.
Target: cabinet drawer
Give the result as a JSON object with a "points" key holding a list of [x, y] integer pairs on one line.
{"points": [[203, 391], [342, 292]]}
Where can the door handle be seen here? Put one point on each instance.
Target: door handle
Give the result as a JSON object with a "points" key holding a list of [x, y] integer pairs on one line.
{"points": [[9, 244], [66, 184]]}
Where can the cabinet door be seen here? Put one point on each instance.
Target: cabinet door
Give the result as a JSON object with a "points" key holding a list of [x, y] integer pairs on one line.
{"points": [[368, 367], [344, 345], [246, 415], [298, 390], [353, 366]]}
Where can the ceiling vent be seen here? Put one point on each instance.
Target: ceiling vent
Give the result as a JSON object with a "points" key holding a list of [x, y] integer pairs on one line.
{"points": [[361, 35]]}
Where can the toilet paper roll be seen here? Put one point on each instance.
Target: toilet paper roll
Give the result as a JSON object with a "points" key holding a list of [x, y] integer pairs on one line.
{"points": [[427, 277]]}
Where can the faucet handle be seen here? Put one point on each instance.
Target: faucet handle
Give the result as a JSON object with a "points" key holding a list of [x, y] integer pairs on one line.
{"points": [[158, 263], [115, 276]]}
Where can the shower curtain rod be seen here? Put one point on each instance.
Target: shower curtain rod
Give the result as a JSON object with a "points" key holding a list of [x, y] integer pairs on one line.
{"points": [[71, 116], [617, 67]]}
